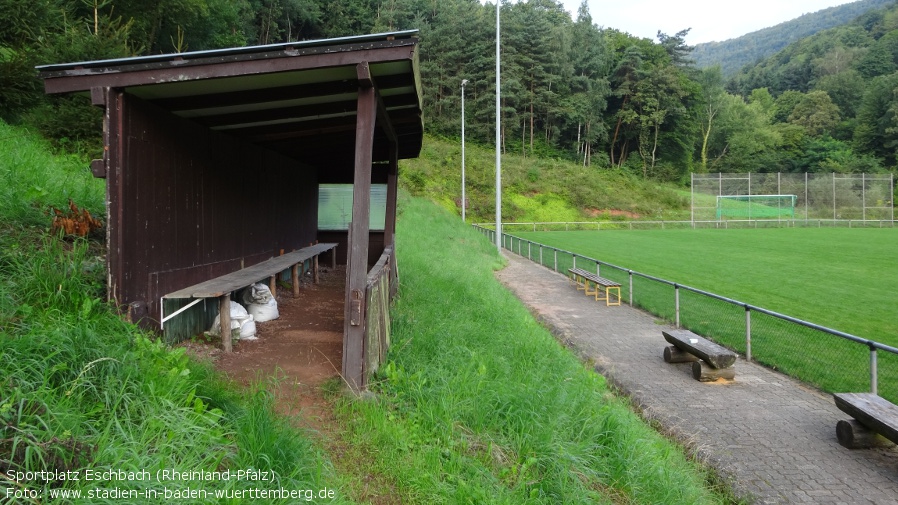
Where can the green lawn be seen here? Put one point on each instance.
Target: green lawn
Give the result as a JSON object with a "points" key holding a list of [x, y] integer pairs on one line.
{"points": [[841, 278]]}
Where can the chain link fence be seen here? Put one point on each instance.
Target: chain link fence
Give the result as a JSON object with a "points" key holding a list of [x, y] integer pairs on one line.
{"points": [[828, 359], [801, 196]]}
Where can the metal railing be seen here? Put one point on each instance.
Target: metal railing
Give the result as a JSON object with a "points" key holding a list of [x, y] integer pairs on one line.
{"points": [[682, 225], [799, 348]]}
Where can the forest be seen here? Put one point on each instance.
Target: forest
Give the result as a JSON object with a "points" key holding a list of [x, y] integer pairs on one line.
{"points": [[571, 88]]}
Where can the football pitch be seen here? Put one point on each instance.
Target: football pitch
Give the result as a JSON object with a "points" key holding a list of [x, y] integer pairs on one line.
{"points": [[845, 279]]}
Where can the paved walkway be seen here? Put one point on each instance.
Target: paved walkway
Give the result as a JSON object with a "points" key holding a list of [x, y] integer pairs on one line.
{"points": [[772, 437]]}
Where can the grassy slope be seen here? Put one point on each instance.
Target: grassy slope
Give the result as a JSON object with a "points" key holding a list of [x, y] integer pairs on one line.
{"points": [[835, 277], [479, 404], [533, 189]]}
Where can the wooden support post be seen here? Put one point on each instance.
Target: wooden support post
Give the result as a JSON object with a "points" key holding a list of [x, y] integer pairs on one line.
{"points": [[315, 269], [334, 257], [704, 372], [294, 272], [854, 435], [273, 285], [390, 215], [224, 319], [674, 355], [358, 237]]}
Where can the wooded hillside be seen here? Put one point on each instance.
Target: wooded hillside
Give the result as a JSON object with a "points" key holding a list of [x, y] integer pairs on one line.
{"points": [[570, 89], [733, 54]]}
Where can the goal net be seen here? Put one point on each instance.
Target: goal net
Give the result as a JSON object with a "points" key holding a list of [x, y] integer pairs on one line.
{"points": [[756, 206]]}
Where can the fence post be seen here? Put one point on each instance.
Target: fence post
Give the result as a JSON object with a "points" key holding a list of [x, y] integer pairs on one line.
{"points": [[874, 373], [574, 260], [598, 269], [747, 333], [677, 303], [630, 273], [529, 244], [555, 252], [541, 255]]}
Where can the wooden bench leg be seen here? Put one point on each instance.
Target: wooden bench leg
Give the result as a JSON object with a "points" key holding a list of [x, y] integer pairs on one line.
{"points": [[315, 269], [273, 285], [704, 372], [294, 274], [224, 319], [854, 435], [608, 295], [673, 354]]}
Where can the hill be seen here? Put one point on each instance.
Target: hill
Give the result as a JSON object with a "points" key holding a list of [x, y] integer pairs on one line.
{"points": [[535, 189], [733, 54]]}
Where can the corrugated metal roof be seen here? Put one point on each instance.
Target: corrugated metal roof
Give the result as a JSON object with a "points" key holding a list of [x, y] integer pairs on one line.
{"points": [[232, 51]]}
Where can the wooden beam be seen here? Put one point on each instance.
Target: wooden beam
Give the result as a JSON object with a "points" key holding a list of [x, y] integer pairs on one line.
{"points": [[357, 256], [392, 186]]}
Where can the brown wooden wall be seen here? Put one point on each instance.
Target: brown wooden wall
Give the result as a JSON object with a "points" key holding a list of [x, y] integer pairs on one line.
{"points": [[375, 244], [187, 203]]}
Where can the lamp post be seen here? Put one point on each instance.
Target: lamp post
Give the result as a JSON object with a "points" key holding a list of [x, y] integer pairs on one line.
{"points": [[463, 203], [498, 141]]}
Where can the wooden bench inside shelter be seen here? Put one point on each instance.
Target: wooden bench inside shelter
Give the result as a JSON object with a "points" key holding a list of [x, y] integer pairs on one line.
{"points": [[221, 287], [710, 361], [602, 287], [874, 418]]}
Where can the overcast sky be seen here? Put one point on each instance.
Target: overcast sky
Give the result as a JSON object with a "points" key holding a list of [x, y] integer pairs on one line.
{"points": [[710, 20]]}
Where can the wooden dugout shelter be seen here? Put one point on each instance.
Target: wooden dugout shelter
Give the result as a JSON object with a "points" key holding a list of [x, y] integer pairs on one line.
{"points": [[213, 162]]}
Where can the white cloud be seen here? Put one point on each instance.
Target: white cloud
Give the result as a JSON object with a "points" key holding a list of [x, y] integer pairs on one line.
{"points": [[709, 20]]}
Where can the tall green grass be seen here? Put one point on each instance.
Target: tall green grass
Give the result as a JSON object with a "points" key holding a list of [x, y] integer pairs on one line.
{"points": [[81, 389], [478, 403], [32, 178]]}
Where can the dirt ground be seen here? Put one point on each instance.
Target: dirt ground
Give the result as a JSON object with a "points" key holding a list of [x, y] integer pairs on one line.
{"points": [[300, 350]]}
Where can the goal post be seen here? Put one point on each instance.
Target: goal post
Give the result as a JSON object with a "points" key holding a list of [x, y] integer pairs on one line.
{"points": [[756, 206]]}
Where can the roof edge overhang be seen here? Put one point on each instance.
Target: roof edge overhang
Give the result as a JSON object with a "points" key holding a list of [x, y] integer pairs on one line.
{"points": [[273, 94]]}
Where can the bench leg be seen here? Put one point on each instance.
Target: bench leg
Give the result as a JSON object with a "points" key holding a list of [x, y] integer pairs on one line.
{"points": [[315, 269], [704, 372], [608, 295], [294, 273], [224, 319], [673, 354], [854, 435]]}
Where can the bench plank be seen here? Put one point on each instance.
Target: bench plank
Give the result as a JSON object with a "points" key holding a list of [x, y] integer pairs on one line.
{"points": [[214, 288], [873, 411], [715, 355]]}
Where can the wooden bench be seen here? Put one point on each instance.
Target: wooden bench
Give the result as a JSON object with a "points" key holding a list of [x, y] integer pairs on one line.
{"points": [[874, 418], [221, 287], [602, 286], [710, 361]]}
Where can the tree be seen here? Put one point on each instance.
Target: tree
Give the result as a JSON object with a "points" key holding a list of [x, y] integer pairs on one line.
{"points": [[816, 112], [712, 101]]}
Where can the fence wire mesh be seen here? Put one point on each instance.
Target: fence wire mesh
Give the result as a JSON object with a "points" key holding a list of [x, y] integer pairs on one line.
{"points": [[814, 355], [813, 196]]}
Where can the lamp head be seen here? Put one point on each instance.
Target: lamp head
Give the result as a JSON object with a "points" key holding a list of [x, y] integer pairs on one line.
{"points": [[463, 82]]}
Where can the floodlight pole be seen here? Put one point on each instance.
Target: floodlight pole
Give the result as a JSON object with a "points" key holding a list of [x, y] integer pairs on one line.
{"points": [[498, 141], [463, 82]]}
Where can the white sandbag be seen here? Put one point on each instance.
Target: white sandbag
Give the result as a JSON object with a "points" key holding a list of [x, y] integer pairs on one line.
{"points": [[241, 319], [257, 293], [260, 303], [264, 311]]}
